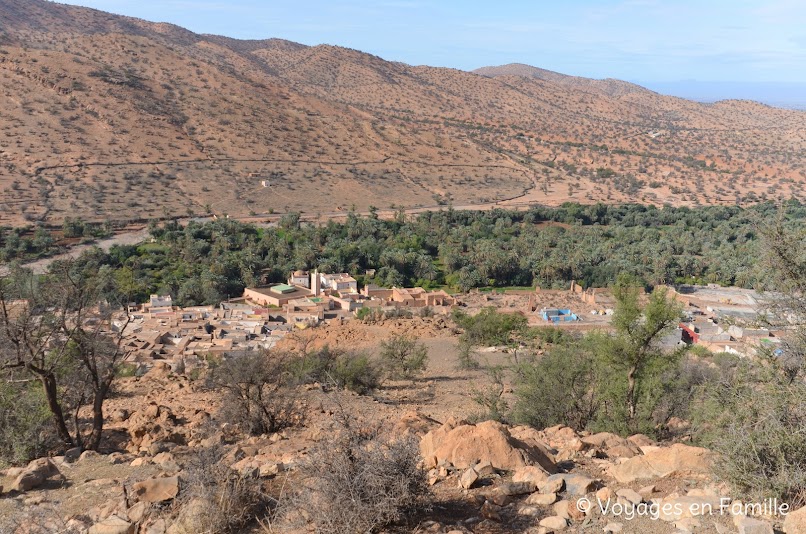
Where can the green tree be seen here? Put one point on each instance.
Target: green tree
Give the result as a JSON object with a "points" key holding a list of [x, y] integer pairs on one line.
{"points": [[59, 330], [634, 347], [403, 357]]}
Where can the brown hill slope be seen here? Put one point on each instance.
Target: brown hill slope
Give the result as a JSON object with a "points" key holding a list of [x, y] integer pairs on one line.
{"points": [[109, 117]]}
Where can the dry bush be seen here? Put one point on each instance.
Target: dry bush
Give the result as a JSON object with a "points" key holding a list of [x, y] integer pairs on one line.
{"points": [[257, 397], [359, 483], [215, 499]]}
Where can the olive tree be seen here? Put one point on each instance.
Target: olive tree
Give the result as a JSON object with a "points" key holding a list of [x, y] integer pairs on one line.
{"points": [[61, 330]]}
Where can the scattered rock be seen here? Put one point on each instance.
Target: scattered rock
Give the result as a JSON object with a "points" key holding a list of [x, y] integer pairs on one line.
{"points": [[33, 476], [112, 525], [137, 512], [795, 522], [647, 491], [614, 527], [641, 440], [484, 468], [516, 488], [270, 469], [531, 511], [71, 455], [575, 484], [677, 460], [750, 525], [554, 523], [118, 416], [414, 423], [604, 494], [542, 499], [490, 511], [530, 473], [631, 496], [552, 485], [468, 478]]}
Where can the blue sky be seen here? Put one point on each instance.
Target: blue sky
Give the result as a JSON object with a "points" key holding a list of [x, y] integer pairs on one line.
{"points": [[638, 40]]}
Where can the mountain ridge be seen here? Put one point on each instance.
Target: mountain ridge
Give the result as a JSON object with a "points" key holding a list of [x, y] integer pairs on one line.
{"points": [[119, 118]]}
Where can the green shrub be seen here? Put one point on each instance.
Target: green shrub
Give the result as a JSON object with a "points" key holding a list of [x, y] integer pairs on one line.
{"points": [[466, 358], [490, 327], [756, 422], [491, 399], [25, 424], [356, 372], [126, 370], [339, 369], [559, 388], [403, 357]]}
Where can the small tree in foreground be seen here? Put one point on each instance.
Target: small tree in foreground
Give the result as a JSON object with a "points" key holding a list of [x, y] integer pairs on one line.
{"points": [[639, 329], [60, 330], [403, 357]]}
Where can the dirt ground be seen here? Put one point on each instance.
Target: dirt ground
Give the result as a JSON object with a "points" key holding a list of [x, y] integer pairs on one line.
{"points": [[441, 392]]}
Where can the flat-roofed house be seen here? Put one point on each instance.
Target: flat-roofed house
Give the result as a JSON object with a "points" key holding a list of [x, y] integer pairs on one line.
{"points": [[341, 282], [277, 295]]}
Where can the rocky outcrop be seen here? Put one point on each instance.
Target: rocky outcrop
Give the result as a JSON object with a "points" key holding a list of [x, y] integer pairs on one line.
{"points": [[156, 490], [154, 424], [677, 460], [464, 445], [795, 522], [33, 476]]}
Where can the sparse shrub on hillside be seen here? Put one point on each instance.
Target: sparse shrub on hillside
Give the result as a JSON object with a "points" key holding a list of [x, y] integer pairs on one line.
{"points": [[491, 399], [257, 396], [359, 483], [215, 499], [755, 415], [490, 327], [466, 358], [336, 368], [25, 424], [757, 423], [403, 357], [561, 387]]}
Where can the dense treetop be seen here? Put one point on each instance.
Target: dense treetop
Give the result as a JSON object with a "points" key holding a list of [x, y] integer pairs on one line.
{"points": [[206, 262]]}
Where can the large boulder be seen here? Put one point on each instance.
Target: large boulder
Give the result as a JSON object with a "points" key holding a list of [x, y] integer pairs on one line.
{"points": [[156, 490], [612, 445], [677, 460], [464, 445], [795, 522], [37, 472], [575, 484]]}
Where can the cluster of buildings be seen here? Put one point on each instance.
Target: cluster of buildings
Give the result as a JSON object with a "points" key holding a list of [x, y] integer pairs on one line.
{"points": [[158, 330], [724, 320], [311, 297], [261, 317]]}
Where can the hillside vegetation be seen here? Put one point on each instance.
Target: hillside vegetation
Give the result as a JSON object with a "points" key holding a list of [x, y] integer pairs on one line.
{"points": [[203, 263], [113, 118]]}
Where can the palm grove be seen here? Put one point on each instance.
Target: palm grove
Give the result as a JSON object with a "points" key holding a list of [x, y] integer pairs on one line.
{"points": [[60, 344]]}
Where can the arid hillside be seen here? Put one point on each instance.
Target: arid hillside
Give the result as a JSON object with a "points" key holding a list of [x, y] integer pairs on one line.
{"points": [[113, 118]]}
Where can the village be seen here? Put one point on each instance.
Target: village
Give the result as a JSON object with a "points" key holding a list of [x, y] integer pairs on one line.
{"points": [[718, 319]]}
